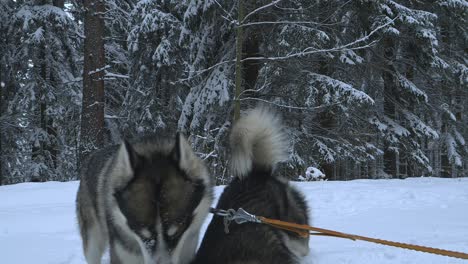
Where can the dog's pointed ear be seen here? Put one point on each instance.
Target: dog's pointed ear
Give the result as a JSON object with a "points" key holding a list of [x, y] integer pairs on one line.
{"points": [[128, 158], [182, 152]]}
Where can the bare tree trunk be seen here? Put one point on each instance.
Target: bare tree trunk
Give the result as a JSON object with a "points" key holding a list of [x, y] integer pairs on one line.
{"points": [[1, 157], [2, 86], [239, 45], [52, 147], [446, 166], [92, 112], [390, 156], [328, 121], [407, 166], [59, 3], [38, 150], [251, 67], [6, 92]]}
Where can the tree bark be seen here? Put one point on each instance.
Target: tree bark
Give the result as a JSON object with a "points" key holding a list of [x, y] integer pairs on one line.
{"points": [[47, 150], [390, 156], [92, 111], [328, 121], [38, 150], [239, 45], [2, 86]]}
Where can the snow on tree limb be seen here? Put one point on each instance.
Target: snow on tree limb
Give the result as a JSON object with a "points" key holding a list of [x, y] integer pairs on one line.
{"points": [[340, 88]]}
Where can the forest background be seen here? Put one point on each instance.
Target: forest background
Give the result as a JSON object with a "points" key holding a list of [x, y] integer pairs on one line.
{"points": [[367, 89]]}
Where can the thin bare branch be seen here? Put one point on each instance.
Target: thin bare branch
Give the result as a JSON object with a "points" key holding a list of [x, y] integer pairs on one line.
{"points": [[285, 22], [312, 50], [229, 17], [289, 106], [200, 72], [253, 90], [305, 52], [259, 9]]}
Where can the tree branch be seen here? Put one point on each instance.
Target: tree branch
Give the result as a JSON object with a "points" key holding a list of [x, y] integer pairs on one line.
{"points": [[259, 9], [285, 22], [311, 50]]}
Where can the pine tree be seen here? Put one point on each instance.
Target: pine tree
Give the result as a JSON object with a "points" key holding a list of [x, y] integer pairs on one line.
{"points": [[117, 79], [8, 86], [168, 46], [46, 92], [6, 8], [402, 58], [448, 90], [367, 89], [298, 53], [155, 56]]}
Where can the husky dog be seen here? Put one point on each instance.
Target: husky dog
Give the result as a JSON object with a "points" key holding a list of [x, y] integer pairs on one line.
{"points": [[147, 200], [258, 143]]}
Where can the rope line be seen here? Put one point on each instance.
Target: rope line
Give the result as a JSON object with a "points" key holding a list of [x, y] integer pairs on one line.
{"points": [[303, 231], [241, 216]]}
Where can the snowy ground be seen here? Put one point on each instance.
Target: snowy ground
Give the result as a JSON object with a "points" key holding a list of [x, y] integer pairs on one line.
{"points": [[37, 220]]}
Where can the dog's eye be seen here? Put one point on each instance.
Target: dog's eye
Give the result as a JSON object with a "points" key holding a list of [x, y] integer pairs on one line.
{"points": [[172, 230], [145, 233]]}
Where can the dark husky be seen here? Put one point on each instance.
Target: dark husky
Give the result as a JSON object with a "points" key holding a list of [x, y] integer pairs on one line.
{"points": [[258, 143], [147, 200]]}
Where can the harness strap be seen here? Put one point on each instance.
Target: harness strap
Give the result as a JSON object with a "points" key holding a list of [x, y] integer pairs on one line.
{"points": [[241, 216]]}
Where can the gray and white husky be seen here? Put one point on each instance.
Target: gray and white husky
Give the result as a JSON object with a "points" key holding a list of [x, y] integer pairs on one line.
{"points": [[258, 143], [147, 200]]}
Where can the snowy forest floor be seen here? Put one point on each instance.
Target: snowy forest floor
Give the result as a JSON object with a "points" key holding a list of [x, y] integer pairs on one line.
{"points": [[38, 225]]}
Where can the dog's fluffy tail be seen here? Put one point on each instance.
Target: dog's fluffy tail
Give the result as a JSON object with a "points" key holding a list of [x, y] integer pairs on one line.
{"points": [[257, 141]]}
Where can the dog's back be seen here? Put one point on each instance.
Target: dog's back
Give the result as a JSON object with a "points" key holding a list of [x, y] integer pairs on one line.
{"points": [[147, 200], [258, 143]]}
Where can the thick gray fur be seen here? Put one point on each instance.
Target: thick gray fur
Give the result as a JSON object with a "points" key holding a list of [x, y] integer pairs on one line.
{"points": [[258, 143], [145, 201]]}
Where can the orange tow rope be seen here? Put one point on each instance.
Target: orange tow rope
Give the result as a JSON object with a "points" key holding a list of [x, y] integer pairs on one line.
{"points": [[304, 231]]}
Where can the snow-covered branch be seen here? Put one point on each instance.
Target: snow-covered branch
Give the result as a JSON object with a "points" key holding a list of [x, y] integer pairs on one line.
{"points": [[116, 75], [99, 70]]}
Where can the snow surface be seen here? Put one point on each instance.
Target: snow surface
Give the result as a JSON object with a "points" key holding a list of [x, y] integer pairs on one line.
{"points": [[38, 225]]}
